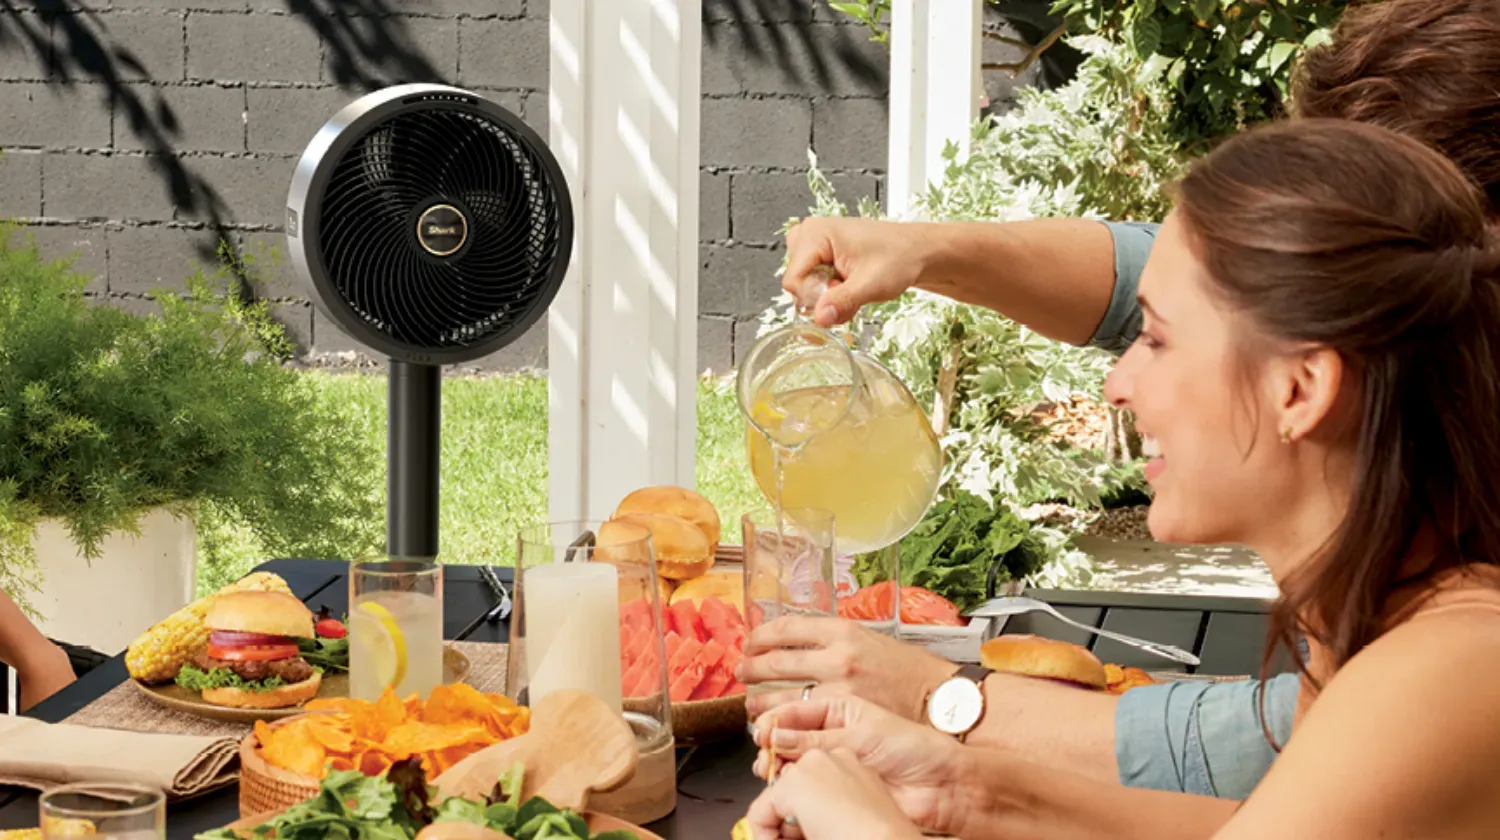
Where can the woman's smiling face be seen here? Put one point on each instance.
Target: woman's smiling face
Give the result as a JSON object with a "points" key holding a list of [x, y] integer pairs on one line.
{"points": [[1208, 423]]}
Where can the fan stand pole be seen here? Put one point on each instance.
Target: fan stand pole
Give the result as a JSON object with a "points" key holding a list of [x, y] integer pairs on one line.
{"points": [[414, 409]]}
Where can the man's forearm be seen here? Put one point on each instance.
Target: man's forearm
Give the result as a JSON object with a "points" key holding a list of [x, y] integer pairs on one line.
{"points": [[1050, 723], [1055, 276], [1005, 799]]}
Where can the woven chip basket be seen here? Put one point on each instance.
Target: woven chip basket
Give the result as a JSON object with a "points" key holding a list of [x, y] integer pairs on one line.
{"points": [[264, 787]]}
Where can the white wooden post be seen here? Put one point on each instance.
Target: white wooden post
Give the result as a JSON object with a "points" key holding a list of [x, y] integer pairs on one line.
{"points": [[935, 90], [622, 352]]}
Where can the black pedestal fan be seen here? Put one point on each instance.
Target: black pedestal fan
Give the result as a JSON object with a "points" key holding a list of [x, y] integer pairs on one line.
{"points": [[434, 227]]}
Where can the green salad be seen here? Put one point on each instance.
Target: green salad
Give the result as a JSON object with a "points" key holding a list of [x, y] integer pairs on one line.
{"points": [[400, 803]]}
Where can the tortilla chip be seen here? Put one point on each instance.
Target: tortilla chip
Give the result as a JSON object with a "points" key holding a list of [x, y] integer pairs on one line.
{"points": [[345, 734]]}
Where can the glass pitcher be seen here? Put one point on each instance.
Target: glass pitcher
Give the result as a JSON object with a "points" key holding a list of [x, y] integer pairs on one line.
{"points": [[845, 433]]}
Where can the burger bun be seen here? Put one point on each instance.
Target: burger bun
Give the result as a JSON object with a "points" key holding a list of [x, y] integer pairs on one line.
{"points": [[1033, 656], [279, 697], [271, 613]]}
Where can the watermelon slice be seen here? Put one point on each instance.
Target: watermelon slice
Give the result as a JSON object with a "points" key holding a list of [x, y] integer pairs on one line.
{"points": [[637, 614], [674, 642], [682, 672], [714, 684], [643, 678], [719, 619], [685, 620], [715, 677]]}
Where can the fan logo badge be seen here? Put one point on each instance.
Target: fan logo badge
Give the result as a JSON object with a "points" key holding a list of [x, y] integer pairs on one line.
{"points": [[442, 230]]}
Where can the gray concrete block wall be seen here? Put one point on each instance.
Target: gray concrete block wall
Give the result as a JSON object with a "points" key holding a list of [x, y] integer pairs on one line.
{"points": [[138, 132]]}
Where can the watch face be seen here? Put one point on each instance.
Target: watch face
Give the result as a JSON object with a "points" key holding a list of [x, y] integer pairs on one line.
{"points": [[956, 706]]}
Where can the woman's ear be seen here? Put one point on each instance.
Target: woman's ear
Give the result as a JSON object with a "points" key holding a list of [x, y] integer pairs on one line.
{"points": [[1309, 386]]}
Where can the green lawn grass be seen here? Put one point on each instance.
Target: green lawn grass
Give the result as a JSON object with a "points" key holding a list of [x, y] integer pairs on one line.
{"points": [[494, 465]]}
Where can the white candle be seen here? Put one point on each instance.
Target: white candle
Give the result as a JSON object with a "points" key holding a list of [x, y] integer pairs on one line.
{"points": [[573, 630]]}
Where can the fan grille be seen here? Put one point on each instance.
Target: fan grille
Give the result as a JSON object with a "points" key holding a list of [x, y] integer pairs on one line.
{"points": [[440, 155]]}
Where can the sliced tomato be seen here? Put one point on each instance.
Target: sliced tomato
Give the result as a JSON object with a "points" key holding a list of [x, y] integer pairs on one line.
{"points": [[923, 606], [252, 653], [236, 638], [331, 628]]}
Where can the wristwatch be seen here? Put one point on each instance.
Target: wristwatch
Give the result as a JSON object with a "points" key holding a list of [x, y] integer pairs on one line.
{"points": [[956, 705]]}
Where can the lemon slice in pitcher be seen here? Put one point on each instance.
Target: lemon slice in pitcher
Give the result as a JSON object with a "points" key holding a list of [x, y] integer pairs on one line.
{"points": [[390, 657]]}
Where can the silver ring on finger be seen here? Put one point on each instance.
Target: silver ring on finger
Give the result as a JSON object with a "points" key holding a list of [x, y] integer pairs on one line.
{"points": [[791, 821], [807, 690]]}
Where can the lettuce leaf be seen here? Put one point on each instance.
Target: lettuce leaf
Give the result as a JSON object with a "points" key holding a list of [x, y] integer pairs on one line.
{"points": [[953, 548], [194, 679]]}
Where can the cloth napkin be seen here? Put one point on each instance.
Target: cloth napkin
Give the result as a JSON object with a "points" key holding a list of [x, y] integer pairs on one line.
{"points": [[40, 755]]}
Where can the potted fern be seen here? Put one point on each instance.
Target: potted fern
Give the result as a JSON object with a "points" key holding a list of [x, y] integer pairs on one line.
{"points": [[118, 431]]}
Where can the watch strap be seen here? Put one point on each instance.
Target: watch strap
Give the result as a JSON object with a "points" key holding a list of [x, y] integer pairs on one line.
{"points": [[974, 671]]}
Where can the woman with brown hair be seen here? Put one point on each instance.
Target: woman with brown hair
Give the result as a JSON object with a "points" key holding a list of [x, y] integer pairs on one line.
{"points": [[1429, 69], [1318, 378]]}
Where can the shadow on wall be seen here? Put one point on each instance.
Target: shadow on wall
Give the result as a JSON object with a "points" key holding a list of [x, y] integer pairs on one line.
{"points": [[83, 51], [808, 62], [367, 47], [792, 49]]}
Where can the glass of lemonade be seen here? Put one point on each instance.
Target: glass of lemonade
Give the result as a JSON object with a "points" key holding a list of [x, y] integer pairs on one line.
{"points": [[789, 569], [395, 626], [119, 810]]}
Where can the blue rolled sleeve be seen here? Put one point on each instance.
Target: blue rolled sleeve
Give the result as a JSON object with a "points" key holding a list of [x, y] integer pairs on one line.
{"points": [[1122, 321], [1202, 738]]}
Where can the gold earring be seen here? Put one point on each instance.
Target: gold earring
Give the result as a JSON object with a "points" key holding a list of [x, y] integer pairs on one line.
{"points": [[1286, 434]]}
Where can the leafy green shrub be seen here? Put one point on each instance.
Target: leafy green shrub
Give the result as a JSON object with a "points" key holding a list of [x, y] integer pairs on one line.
{"points": [[1229, 61], [105, 414]]}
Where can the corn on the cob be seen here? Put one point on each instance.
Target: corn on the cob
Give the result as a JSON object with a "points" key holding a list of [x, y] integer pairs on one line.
{"points": [[60, 828], [159, 653]]}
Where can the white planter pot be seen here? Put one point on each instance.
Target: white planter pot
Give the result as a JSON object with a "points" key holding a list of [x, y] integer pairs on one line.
{"points": [[134, 583]]}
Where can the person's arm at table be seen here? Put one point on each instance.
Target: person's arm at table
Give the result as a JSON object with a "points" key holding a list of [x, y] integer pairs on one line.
{"points": [[42, 667], [1036, 720], [1072, 280], [1395, 746], [1001, 798]]}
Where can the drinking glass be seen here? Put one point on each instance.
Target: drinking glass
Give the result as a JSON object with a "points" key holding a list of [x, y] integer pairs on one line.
{"points": [[395, 626], [587, 616], [105, 811], [789, 569], [868, 587]]}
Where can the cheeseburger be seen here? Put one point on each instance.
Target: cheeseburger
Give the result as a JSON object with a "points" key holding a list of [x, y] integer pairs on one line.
{"points": [[252, 660]]}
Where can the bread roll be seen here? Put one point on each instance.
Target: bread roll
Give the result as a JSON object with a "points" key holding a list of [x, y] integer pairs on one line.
{"points": [[728, 585], [675, 501], [1033, 656], [682, 549]]}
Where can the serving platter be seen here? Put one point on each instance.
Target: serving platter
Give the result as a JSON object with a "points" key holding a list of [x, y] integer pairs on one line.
{"points": [[335, 684]]}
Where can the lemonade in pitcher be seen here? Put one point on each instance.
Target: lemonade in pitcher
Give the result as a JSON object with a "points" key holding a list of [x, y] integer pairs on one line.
{"points": [[876, 468]]}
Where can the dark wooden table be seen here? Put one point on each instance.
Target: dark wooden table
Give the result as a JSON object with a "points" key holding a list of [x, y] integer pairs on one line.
{"points": [[715, 784]]}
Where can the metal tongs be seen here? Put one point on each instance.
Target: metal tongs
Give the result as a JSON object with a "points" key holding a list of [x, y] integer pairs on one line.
{"points": [[996, 607], [500, 611]]}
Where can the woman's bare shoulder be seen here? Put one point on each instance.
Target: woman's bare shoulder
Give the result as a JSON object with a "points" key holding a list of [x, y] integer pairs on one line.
{"points": [[1400, 743]]}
